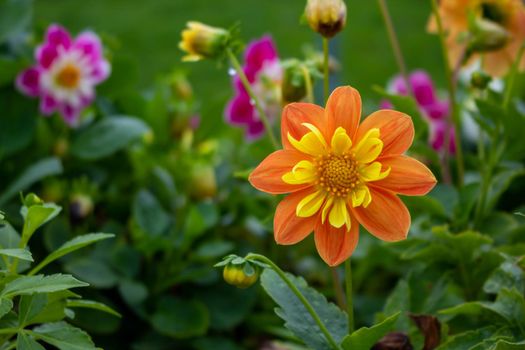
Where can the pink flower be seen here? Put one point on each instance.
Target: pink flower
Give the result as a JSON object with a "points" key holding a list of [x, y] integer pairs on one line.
{"points": [[436, 111], [264, 72], [66, 73]]}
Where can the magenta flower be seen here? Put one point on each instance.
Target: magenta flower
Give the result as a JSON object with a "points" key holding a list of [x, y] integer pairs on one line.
{"points": [[66, 73], [435, 110], [264, 72]]}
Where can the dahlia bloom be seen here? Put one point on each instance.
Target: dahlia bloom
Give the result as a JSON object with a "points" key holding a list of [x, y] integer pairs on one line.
{"points": [[66, 73], [505, 15], [341, 173], [435, 110], [264, 72]]}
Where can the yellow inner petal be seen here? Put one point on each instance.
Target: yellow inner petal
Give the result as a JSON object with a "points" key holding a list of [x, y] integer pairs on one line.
{"points": [[341, 142], [310, 204], [339, 215], [369, 148], [312, 143], [302, 173]]}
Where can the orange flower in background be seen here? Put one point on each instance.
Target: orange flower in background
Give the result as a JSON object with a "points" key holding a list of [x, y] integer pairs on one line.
{"points": [[341, 173], [496, 28]]}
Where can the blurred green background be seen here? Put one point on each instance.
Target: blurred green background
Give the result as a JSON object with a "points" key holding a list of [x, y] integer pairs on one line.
{"points": [[148, 32]]}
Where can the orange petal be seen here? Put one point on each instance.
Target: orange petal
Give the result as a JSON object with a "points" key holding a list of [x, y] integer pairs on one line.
{"points": [[287, 226], [294, 115], [396, 130], [386, 217], [267, 177], [407, 176], [335, 245], [343, 109]]}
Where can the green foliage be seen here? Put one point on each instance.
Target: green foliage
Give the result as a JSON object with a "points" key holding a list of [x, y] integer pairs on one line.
{"points": [[365, 338], [297, 318]]}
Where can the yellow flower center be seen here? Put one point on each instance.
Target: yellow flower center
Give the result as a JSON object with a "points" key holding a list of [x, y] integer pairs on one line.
{"points": [[337, 175], [69, 76]]}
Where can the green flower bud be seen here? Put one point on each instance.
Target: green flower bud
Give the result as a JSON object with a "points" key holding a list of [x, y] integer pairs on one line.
{"points": [[486, 36], [480, 80], [201, 41], [294, 81], [32, 199], [241, 275]]}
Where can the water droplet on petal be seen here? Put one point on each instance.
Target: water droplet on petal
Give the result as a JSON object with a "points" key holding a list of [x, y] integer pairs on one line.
{"points": [[252, 101], [231, 72]]}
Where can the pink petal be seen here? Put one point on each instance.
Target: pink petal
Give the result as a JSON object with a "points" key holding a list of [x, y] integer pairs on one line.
{"points": [[46, 54], [58, 36], [48, 105], [260, 51], [239, 111], [423, 87], [101, 71], [437, 136], [70, 114], [89, 44], [438, 110], [254, 130], [28, 82]]}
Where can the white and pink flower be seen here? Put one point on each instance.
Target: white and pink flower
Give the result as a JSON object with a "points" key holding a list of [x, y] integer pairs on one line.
{"points": [[66, 73]]}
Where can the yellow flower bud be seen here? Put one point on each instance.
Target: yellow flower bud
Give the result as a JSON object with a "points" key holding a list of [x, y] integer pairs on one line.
{"points": [[327, 17], [236, 275], [202, 41], [203, 182]]}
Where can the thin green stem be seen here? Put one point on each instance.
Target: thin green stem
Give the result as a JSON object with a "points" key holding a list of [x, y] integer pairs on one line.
{"points": [[452, 95], [394, 42], [339, 293], [9, 330], [308, 84], [349, 298], [326, 71], [512, 77], [264, 118], [298, 294]]}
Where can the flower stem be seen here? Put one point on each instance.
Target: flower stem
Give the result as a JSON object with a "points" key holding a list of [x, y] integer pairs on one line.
{"points": [[326, 72], [452, 95], [298, 294], [339, 293], [349, 299], [511, 78], [394, 42], [308, 84], [264, 118]]}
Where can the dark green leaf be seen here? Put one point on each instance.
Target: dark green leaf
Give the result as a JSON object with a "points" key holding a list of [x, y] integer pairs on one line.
{"points": [[149, 214], [107, 137], [64, 336], [25, 342], [5, 306], [94, 272], [29, 307], [22, 254], [37, 171], [90, 304], [297, 317], [365, 338], [15, 16], [40, 284], [36, 216], [72, 245], [180, 318]]}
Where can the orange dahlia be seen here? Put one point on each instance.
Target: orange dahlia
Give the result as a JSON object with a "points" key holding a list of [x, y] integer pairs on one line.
{"points": [[507, 16], [341, 173]]}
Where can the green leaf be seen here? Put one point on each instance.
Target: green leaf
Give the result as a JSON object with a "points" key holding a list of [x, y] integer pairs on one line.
{"points": [[55, 307], [22, 254], [95, 272], [365, 338], [180, 318], [107, 137], [296, 316], [467, 339], [25, 342], [70, 246], [36, 216], [133, 292], [37, 171], [29, 307], [40, 284], [90, 304], [506, 345], [508, 275], [64, 336], [18, 122], [149, 214], [399, 300], [502, 180], [15, 16], [5, 306]]}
